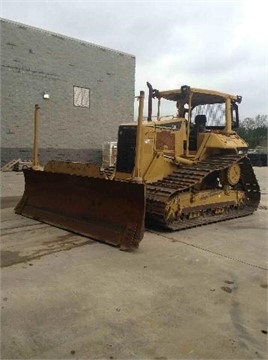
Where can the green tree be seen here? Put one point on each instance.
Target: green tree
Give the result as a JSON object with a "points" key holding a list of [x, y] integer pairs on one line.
{"points": [[254, 131]]}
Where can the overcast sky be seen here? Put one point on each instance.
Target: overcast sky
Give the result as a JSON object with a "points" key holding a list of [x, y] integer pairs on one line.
{"points": [[220, 45]]}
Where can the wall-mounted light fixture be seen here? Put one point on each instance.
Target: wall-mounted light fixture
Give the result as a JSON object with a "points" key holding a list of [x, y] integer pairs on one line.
{"points": [[46, 95]]}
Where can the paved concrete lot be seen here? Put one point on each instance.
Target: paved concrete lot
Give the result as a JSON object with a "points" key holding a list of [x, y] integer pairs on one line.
{"points": [[195, 294]]}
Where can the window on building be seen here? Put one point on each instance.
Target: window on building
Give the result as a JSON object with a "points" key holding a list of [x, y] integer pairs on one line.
{"points": [[81, 97]]}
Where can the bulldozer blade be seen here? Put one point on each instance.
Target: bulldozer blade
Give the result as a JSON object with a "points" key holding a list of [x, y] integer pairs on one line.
{"points": [[105, 210]]}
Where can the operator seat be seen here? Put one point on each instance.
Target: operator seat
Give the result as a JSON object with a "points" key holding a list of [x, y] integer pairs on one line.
{"points": [[199, 126], [200, 122]]}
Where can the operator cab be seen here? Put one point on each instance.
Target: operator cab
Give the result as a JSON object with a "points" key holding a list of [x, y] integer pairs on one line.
{"points": [[204, 111]]}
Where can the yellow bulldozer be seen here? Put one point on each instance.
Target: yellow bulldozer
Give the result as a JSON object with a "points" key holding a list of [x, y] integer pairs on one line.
{"points": [[172, 172]]}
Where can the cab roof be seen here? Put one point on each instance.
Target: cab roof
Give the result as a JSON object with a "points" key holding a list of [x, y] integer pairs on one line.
{"points": [[199, 96]]}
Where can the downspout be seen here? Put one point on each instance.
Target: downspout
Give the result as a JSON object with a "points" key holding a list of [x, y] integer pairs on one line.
{"points": [[36, 165]]}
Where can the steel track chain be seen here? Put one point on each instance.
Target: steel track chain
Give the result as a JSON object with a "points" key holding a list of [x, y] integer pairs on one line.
{"points": [[187, 178]]}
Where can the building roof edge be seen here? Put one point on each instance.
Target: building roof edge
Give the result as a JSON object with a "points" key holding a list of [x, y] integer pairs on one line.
{"points": [[19, 24]]}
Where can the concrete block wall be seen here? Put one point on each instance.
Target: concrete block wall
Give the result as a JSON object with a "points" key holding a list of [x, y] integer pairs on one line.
{"points": [[34, 61]]}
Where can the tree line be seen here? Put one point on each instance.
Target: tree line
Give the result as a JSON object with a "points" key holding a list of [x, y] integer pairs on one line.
{"points": [[254, 131]]}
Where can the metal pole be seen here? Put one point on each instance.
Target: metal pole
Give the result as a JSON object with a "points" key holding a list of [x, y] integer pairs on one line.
{"points": [[36, 131], [189, 124], [137, 170], [158, 109], [150, 99], [228, 111]]}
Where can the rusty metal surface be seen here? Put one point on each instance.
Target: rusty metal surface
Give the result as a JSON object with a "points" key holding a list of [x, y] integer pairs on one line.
{"points": [[165, 139], [105, 210]]}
